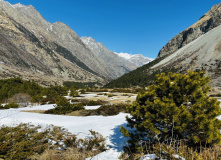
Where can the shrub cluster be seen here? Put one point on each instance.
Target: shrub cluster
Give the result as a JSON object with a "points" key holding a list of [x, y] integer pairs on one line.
{"points": [[108, 110], [39, 94], [64, 107], [105, 110], [74, 92], [176, 106], [9, 105], [49, 95], [92, 102], [21, 141], [10, 87], [26, 141]]}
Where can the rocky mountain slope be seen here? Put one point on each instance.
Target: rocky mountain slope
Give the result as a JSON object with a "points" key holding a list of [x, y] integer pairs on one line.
{"points": [[33, 48], [117, 65], [195, 50], [207, 22]]}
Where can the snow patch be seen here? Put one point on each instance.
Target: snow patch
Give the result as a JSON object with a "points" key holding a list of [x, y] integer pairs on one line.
{"points": [[91, 107]]}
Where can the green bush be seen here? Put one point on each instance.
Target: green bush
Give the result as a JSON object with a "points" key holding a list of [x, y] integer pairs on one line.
{"points": [[13, 86], [92, 102], [1, 106], [25, 140], [10, 87], [22, 141], [9, 105], [64, 107], [74, 92], [175, 106]]}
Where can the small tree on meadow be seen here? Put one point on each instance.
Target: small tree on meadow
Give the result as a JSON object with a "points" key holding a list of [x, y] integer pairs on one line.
{"points": [[175, 106]]}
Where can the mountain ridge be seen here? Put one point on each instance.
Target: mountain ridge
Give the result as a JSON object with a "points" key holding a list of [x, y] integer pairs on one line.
{"points": [[207, 22], [55, 47], [32, 36], [117, 65], [196, 48]]}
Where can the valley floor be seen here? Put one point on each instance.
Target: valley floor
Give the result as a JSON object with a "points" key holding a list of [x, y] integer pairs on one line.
{"points": [[108, 126]]}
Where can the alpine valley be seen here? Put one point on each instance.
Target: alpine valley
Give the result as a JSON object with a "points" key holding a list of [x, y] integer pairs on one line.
{"points": [[51, 53]]}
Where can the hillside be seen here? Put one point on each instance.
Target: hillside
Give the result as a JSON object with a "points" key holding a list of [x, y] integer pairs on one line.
{"points": [[51, 53], [207, 22], [202, 52], [35, 49]]}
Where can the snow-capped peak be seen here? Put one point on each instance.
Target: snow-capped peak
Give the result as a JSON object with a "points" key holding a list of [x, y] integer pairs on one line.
{"points": [[137, 59], [124, 55]]}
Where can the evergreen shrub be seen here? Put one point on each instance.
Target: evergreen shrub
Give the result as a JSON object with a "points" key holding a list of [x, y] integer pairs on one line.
{"points": [[176, 106]]}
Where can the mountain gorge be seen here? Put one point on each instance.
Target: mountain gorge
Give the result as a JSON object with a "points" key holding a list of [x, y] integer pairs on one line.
{"points": [[196, 48]]}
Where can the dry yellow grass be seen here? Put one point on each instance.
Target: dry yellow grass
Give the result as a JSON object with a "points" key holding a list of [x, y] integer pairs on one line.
{"points": [[34, 111], [117, 98], [69, 154]]}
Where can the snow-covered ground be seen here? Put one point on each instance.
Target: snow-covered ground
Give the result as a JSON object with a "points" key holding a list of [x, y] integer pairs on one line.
{"points": [[108, 126]]}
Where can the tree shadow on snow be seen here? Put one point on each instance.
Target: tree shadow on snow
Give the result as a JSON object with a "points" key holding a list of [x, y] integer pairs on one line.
{"points": [[117, 139]]}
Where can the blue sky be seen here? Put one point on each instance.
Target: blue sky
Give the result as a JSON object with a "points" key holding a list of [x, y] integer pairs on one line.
{"points": [[131, 26]]}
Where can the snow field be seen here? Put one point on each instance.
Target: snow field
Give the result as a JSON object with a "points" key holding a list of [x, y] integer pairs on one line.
{"points": [[108, 127]]}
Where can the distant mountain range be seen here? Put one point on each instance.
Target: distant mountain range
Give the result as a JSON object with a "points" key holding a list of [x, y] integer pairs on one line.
{"points": [[50, 53], [120, 63], [196, 48], [137, 59]]}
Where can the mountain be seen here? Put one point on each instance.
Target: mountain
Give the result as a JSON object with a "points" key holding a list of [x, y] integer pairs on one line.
{"points": [[137, 59], [207, 22], [196, 48], [49, 53], [117, 65]]}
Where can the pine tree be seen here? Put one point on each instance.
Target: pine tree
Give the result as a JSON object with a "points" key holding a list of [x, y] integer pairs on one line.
{"points": [[175, 106]]}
